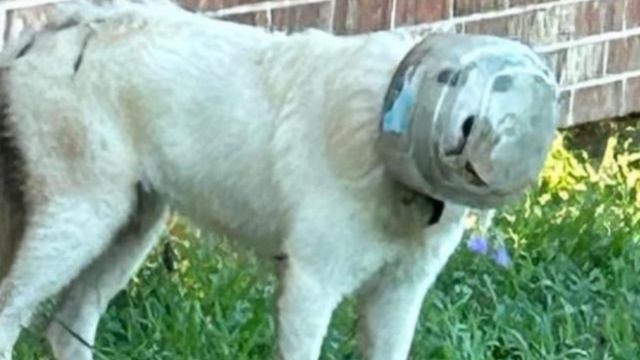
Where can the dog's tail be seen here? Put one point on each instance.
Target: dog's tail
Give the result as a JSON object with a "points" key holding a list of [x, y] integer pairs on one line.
{"points": [[12, 179]]}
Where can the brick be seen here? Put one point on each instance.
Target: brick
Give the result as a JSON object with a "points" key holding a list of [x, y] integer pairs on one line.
{"points": [[633, 13], [212, 5], [598, 17], [252, 18], [545, 27], [517, 3], [201, 4], [624, 55], [358, 16], [467, 7], [583, 63], [588, 18], [556, 24], [616, 13], [573, 21], [499, 26], [597, 103], [297, 18], [632, 97], [410, 12], [558, 61], [535, 27]]}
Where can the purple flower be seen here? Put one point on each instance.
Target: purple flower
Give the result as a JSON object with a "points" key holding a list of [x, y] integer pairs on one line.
{"points": [[478, 245], [501, 257]]}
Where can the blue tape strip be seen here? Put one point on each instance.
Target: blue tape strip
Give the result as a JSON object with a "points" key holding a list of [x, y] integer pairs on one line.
{"points": [[395, 120]]}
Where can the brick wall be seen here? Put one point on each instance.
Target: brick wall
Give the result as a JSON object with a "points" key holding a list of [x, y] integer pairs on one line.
{"points": [[593, 44]]}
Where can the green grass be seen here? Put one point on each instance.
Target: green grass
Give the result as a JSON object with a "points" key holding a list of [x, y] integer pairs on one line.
{"points": [[573, 291]]}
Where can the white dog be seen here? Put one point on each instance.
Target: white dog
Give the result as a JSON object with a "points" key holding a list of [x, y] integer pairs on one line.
{"points": [[113, 114]]}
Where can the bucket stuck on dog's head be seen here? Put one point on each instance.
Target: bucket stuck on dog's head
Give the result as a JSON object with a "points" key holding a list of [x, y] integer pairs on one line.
{"points": [[469, 119]]}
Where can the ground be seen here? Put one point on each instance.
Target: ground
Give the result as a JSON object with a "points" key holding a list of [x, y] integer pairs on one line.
{"points": [[572, 290]]}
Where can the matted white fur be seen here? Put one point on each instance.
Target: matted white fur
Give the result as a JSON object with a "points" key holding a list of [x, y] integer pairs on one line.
{"points": [[267, 138]]}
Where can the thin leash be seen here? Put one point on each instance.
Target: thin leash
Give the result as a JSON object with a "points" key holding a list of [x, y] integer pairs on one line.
{"points": [[76, 336], [80, 339]]}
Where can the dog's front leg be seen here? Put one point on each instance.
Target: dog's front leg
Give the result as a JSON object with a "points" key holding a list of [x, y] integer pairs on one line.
{"points": [[327, 256], [304, 311], [390, 303]]}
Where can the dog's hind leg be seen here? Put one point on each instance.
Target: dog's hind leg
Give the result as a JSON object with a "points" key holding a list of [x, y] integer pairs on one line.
{"points": [[64, 233], [73, 329], [390, 302]]}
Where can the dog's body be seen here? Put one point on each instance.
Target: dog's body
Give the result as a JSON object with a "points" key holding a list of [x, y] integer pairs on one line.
{"points": [[269, 139]]}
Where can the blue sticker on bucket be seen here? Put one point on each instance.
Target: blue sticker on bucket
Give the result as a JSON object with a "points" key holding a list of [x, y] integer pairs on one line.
{"points": [[395, 120]]}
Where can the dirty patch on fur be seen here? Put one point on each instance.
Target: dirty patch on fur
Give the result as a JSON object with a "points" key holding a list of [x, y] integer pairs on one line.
{"points": [[13, 208]]}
